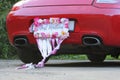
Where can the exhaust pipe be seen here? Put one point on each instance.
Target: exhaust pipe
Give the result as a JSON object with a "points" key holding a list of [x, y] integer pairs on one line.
{"points": [[20, 41], [91, 41]]}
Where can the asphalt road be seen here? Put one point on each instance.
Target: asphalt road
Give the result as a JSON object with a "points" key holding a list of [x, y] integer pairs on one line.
{"points": [[61, 70]]}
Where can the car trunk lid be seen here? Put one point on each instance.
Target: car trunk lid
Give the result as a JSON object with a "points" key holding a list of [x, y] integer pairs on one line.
{"points": [[41, 3]]}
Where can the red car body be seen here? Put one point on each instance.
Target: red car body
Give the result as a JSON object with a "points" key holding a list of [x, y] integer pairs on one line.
{"points": [[97, 22]]}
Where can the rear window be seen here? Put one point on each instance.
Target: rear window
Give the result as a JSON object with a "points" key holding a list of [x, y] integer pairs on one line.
{"points": [[107, 1], [112, 4]]}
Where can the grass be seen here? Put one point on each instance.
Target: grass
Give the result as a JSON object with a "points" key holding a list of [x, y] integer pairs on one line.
{"points": [[70, 56], [76, 57], [6, 50]]}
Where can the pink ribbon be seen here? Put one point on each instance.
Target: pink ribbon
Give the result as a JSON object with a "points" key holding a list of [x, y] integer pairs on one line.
{"points": [[36, 23]]}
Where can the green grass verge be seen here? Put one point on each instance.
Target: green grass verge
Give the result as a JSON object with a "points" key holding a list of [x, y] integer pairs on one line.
{"points": [[69, 56], [6, 50], [77, 57]]}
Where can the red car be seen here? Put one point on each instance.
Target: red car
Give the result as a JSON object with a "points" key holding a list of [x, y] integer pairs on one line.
{"points": [[94, 27]]}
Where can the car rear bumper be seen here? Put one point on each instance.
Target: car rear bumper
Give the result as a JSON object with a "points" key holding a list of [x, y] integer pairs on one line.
{"points": [[103, 27]]}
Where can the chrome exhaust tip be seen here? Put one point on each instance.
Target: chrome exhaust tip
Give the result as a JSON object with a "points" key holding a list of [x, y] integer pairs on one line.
{"points": [[20, 41], [91, 41]]}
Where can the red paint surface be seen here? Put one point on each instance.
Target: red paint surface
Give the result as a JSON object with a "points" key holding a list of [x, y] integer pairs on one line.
{"points": [[91, 18]]}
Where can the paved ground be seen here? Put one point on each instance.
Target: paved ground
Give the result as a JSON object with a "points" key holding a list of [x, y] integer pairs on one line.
{"points": [[61, 70]]}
